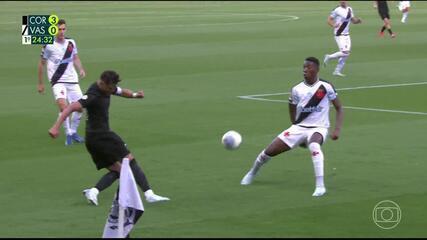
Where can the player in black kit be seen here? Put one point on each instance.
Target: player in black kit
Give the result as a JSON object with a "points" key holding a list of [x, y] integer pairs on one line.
{"points": [[106, 147], [383, 11]]}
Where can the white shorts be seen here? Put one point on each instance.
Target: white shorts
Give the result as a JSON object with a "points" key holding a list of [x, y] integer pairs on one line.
{"points": [[403, 4], [295, 135], [343, 42], [70, 92]]}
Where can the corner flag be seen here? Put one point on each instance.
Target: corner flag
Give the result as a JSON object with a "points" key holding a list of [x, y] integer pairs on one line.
{"points": [[127, 206]]}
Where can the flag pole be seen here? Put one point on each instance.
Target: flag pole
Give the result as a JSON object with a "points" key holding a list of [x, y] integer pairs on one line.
{"points": [[121, 222]]}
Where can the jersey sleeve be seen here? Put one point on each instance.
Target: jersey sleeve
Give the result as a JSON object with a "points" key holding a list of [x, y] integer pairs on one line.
{"points": [[87, 100], [333, 13], [332, 93], [75, 47], [352, 13], [294, 98]]}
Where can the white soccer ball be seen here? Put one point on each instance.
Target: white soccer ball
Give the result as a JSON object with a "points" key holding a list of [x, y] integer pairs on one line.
{"points": [[231, 140]]}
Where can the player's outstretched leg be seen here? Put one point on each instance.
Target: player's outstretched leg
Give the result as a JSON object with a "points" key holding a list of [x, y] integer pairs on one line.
{"points": [[142, 182], [276, 147], [317, 157], [325, 60], [259, 161]]}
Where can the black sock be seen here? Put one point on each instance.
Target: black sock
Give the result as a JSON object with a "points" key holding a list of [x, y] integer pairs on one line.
{"points": [[107, 180], [383, 28], [139, 175], [389, 31]]}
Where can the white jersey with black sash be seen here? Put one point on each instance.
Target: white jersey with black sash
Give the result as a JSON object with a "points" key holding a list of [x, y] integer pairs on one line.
{"points": [[312, 103], [342, 17], [59, 57]]}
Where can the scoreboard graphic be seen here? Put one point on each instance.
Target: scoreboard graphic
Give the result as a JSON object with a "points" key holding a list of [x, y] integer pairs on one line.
{"points": [[39, 29]]}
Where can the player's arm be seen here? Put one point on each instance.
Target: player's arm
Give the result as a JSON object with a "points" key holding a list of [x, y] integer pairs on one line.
{"points": [[293, 101], [73, 107], [331, 21], [292, 112], [41, 66], [356, 20], [338, 118], [79, 66], [127, 93]]}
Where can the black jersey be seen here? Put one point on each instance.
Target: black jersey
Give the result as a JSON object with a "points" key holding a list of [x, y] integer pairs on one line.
{"points": [[97, 104]]}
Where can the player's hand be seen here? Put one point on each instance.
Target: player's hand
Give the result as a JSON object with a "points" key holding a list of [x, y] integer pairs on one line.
{"points": [[358, 21], [82, 73], [54, 132], [335, 135], [139, 94], [40, 88]]}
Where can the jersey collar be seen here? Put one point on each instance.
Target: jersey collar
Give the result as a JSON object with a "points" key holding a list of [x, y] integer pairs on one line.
{"points": [[311, 84]]}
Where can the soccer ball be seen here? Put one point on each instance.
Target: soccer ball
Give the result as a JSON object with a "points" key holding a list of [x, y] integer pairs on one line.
{"points": [[231, 140]]}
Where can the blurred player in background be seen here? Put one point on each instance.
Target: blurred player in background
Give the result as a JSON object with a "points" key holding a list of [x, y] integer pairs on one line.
{"points": [[61, 57], [404, 8], [383, 11], [106, 147], [309, 112], [340, 19]]}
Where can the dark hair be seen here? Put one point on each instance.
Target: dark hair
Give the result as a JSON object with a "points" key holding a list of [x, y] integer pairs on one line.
{"points": [[313, 60], [61, 21], [110, 77]]}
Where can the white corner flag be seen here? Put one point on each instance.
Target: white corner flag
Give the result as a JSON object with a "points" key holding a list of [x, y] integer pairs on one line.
{"points": [[127, 209]]}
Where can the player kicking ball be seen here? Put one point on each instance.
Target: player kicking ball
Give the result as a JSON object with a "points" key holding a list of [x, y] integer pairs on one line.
{"points": [[309, 112], [106, 148]]}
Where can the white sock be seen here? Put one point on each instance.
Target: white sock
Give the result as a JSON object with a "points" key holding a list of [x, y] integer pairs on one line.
{"points": [[341, 63], [405, 15], [66, 125], [261, 159], [337, 55], [75, 121], [148, 193], [317, 157], [96, 190]]}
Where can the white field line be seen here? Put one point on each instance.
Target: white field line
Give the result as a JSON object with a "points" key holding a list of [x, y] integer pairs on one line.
{"points": [[338, 89], [258, 97], [386, 110], [281, 18]]}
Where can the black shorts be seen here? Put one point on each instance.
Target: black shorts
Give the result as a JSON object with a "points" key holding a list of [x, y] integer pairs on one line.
{"points": [[106, 148], [384, 14]]}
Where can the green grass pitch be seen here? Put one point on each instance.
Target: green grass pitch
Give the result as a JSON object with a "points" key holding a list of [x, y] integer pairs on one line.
{"points": [[193, 60]]}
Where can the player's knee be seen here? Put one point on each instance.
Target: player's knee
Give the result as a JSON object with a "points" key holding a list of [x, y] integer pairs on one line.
{"points": [[62, 105], [116, 167], [314, 147], [269, 152]]}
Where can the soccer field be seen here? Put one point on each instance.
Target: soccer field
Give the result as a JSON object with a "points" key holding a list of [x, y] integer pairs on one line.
{"points": [[195, 61]]}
